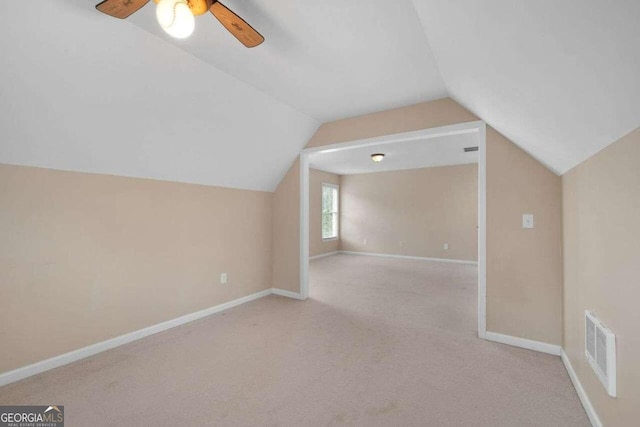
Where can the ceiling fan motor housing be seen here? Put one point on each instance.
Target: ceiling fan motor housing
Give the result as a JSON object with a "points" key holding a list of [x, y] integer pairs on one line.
{"points": [[198, 7]]}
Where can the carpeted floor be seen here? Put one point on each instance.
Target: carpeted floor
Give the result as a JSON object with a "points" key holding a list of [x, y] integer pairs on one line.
{"points": [[381, 342]]}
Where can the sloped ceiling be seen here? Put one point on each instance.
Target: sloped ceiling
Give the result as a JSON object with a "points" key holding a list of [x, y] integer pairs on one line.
{"points": [[561, 79], [329, 59], [83, 91]]}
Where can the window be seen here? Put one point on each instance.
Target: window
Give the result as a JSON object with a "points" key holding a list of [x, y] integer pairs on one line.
{"points": [[329, 211]]}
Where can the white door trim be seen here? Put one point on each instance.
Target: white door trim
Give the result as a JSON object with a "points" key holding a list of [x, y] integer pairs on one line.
{"points": [[477, 127], [482, 230]]}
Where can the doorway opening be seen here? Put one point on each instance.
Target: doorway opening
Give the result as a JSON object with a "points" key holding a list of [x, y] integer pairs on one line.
{"points": [[459, 136]]}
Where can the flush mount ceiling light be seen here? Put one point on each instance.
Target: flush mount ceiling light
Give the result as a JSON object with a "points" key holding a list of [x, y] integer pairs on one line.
{"points": [[176, 17], [377, 157]]}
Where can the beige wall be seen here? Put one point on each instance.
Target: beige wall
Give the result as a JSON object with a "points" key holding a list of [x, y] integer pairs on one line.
{"points": [[522, 300], [286, 231], [441, 112], [422, 208], [524, 266], [86, 257], [316, 245], [601, 208]]}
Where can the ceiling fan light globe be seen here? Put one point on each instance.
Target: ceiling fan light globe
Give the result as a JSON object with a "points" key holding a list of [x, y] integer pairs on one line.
{"points": [[175, 18]]}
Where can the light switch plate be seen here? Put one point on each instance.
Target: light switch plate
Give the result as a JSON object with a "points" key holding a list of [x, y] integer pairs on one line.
{"points": [[527, 221]]}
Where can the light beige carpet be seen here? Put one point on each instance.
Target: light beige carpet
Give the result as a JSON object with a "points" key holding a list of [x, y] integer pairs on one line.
{"points": [[381, 342]]}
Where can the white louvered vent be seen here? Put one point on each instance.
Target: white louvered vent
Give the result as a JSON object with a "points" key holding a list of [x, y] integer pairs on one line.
{"points": [[600, 350]]}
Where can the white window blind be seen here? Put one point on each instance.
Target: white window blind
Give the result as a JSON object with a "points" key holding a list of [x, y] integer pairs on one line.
{"points": [[329, 211]]}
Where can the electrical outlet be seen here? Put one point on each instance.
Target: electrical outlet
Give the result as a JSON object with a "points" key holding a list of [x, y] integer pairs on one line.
{"points": [[446, 246], [223, 278], [401, 243], [527, 221], [365, 241]]}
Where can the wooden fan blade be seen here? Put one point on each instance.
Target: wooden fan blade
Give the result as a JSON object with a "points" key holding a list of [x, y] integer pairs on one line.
{"points": [[236, 25], [120, 8]]}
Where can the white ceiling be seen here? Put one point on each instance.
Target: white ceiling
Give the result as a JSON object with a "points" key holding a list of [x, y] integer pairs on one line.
{"points": [[561, 79], [83, 91], [329, 59], [440, 151]]}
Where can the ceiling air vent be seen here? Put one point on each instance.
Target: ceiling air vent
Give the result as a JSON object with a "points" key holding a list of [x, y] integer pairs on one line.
{"points": [[600, 351], [470, 149]]}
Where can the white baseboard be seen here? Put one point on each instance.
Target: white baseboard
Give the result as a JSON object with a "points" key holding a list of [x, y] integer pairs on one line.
{"points": [[584, 399], [287, 294], [72, 356], [456, 261], [542, 347], [323, 255]]}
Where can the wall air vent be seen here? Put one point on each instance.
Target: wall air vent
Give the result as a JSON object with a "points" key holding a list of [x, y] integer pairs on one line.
{"points": [[600, 351], [470, 149]]}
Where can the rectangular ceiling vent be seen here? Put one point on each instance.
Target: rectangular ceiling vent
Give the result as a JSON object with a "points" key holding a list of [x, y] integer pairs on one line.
{"points": [[470, 149], [600, 351]]}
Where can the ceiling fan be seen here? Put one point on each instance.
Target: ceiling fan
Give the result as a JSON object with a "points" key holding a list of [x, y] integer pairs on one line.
{"points": [[176, 17]]}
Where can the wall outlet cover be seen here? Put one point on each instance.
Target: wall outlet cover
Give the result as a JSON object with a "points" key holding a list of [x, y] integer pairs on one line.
{"points": [[527, 221]]}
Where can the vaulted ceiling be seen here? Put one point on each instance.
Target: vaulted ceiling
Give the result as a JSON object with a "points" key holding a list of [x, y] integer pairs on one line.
{"points": [[560, 78], [329, 59], [82, 91], [85, 92]]}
